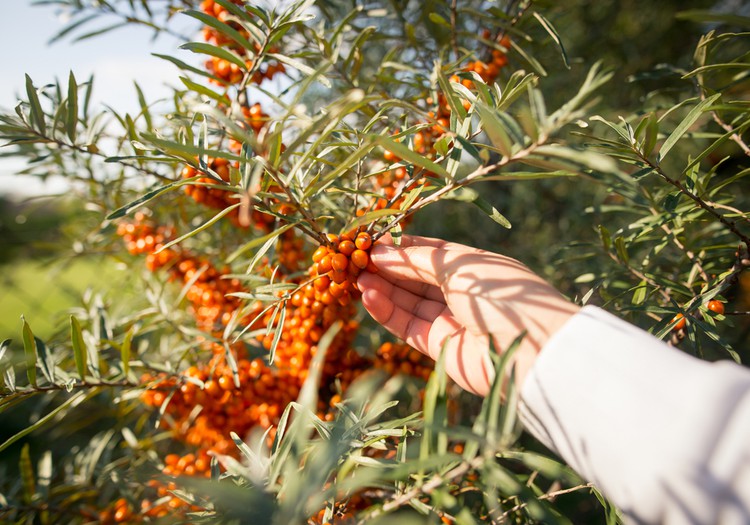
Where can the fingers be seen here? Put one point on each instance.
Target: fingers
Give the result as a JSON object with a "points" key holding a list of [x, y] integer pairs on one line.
{"points": [[412, 263], [422, 259], [408, 316]]}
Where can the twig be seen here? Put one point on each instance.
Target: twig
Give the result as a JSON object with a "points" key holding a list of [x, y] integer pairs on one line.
{"points": [[451, 186], [547, 496], [55, 387], [729, 223]]}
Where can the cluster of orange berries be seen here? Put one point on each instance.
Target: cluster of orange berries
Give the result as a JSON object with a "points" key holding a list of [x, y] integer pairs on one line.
{"points": [[714, 305], [120, 512], [400, 358], [205, 192], [227, 71], [337, 265], [391, 181], [489, 70]]}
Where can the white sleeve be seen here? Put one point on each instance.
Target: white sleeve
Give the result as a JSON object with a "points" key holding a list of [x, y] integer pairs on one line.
{"points": [[665, 436]]}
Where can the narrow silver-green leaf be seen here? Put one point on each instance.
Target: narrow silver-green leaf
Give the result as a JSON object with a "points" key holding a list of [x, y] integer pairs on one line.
{"points": [[27, 475], [125, 349], [400, 150], [37, 113], [124, 210], [71, 122], [29, 349], [42, 421], [200, 228], [495, 129], [683, 126], [218, 52], [79, 347], [555, 36]]}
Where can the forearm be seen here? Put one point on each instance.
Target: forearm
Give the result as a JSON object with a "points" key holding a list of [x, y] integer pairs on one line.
{"points": [[649, 425]]}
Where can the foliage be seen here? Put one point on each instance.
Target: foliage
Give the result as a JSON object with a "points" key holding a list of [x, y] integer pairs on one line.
{"points": [[241, 383]]}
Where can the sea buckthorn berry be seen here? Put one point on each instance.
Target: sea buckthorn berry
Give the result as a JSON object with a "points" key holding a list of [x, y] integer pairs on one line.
{"points": [[339, 262], [337, 290], [325, 265], [715, 306], [321, 283], [338, 276], [360, 259], [363, 241], [680, 322], [332, 238], [321, 252], [347, 247]]}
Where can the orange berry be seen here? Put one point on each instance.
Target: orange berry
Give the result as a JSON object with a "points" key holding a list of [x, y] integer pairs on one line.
{"points": [[337, 290], [339, 261], [325, 264], [715, 306], [680, 322], [321, 252], [338, 276], [360, 259], [364, 241], [347, 247], [322, 283]]}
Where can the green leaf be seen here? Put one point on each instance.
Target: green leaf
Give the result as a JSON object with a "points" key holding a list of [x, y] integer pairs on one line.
{"points": [[400, 150], [704, 17], [124, 210], [187, 67], [200, 228], [219, 52], [495, 129], [222, 28], [71, 122], [457, 107], [652, 134], [203, 90], [27, 475], [43, 420], [472, 196], [46, 363], [279, 331], [125, 351], [688, 121], [37, 114], [29, 349], [555, 36], [622, 250], [258, 241], [300, 66], [79, 348], [640, 293], [144, 106], [439, 20]]}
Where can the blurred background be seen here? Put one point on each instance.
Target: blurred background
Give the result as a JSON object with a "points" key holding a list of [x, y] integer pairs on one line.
{"points": [[39, 275]]}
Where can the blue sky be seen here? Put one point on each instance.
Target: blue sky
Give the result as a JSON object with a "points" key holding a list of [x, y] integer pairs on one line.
{"points": [[115, 59]]}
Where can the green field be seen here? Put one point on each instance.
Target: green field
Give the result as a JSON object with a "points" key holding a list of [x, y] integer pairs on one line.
{"points": [[44, 292]]}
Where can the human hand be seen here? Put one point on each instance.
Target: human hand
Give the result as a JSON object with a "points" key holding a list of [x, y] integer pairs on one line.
{"points": [[428, 290]]}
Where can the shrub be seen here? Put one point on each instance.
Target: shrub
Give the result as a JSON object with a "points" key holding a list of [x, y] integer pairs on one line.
{"points": [[243, 382]]}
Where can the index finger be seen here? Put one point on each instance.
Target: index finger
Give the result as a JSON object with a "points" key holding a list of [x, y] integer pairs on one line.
{"points": [[417, 259]]}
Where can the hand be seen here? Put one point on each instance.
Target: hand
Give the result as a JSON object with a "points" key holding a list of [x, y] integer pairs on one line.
{"points": [[428, 290]]}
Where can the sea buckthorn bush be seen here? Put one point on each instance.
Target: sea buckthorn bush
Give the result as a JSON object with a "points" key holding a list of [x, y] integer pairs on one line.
{"points": [[240, 380]]}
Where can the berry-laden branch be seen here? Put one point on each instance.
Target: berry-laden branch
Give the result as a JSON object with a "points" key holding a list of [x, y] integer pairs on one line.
{"points": [[455, 184]]}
